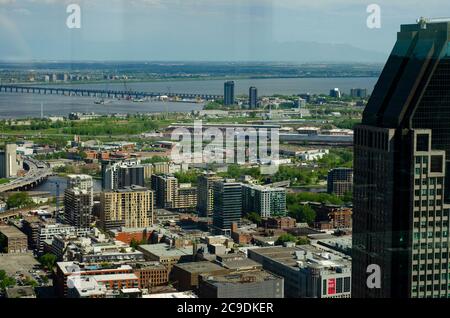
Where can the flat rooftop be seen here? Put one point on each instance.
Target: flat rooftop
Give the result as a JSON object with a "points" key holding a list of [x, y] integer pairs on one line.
{"points": [[199, 267], [164, 250], [12, 232], [241, 278]]}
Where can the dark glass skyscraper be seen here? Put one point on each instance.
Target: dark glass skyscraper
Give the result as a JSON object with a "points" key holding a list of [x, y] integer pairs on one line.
{"points": [[227, 204], [401, 171], [228, 93], [253, 97]]}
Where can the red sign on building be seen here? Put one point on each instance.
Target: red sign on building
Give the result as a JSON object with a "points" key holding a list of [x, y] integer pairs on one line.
{"points": [[331, 286]]}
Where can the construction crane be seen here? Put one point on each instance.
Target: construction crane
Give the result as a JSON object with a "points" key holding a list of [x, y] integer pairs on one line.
{"points": [[422, 21]]}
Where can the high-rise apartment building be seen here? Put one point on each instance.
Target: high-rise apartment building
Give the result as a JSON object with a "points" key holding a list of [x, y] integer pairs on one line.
{"points": [[265, 201], [131, 175], [228, 93], [78, 206], [401, 171], [81, 182], [205, 193], [340, 181], [227, 204], [165, 187], [115, 176], [252, 97], [129, 207]]}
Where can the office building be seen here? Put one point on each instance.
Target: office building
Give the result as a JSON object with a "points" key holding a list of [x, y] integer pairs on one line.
{"points": [[129, 207], [9, 164], [253, 98], [78, 206], [205, 193], [401, 171], [266, 201], [340, 181], [227, 204], [245, 284], [228, 93], [358, 92], [308, 272]]}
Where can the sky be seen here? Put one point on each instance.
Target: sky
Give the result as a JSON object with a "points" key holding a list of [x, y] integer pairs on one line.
{"points": [[206, 30]]}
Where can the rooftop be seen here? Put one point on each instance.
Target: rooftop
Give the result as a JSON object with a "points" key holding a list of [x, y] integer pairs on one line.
{"points": [[199, 267], [240, 278], [164, 250], [12, 232]]}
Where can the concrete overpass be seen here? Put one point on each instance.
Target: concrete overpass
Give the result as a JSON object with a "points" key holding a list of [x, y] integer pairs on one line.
{"points": [[37, 172]]}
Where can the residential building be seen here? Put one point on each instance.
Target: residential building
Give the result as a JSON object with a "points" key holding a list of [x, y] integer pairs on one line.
{"points": [[78, 205], [205, 193], [9, 163], [266, 201], [166, 191], [128, 207]]}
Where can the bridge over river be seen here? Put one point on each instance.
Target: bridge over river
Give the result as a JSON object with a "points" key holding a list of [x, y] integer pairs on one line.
{"points": [[100, 93]]}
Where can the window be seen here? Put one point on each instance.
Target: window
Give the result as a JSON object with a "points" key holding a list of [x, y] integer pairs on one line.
{"points": [[436, 164], [422, 142]]}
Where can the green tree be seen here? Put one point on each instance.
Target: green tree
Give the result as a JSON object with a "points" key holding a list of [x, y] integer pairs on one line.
{"points": [[254, 217], [18, 200], [302, 213], [285, 238], [48, 260]]}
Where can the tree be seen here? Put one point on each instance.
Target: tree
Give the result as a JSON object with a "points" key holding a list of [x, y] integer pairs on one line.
{"points": [[254, 217], [303, 213], [48, 260], [302, 241], [285, 238], [18, 200]]}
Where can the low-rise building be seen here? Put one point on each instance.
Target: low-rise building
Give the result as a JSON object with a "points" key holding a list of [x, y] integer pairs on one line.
{"points": [[166, 254], [12, 240], [308, 271], [247, 284], [186, 274]]}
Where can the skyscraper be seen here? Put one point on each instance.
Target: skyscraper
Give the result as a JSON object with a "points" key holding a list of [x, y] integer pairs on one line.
{"points": [[227, 204], [253, 97], [228, 93], [401, 171]]}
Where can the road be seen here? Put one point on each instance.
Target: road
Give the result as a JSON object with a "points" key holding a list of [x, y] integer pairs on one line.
{"points": [[37, 172]]}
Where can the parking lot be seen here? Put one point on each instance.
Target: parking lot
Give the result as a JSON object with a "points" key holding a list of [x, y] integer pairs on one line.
{"points": [[22, 263]]}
